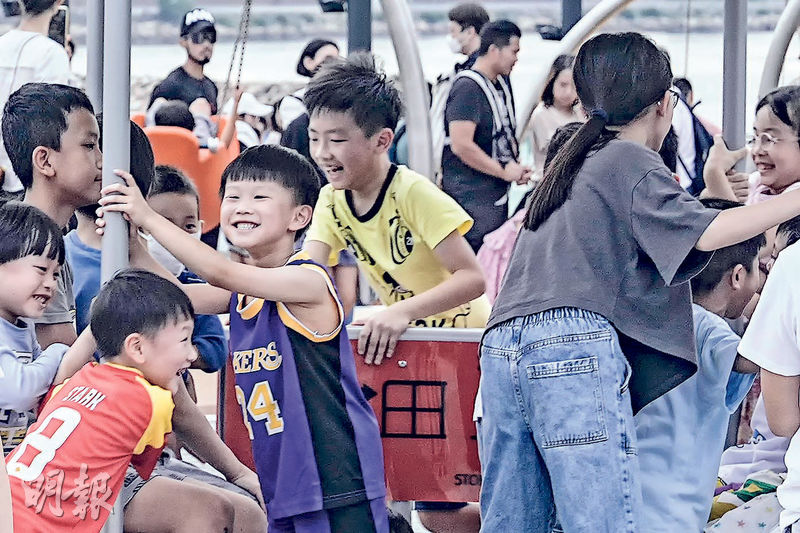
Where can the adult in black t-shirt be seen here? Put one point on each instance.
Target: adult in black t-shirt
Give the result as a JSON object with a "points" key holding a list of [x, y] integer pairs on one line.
{"points": [[479, 162], [187, 82]]}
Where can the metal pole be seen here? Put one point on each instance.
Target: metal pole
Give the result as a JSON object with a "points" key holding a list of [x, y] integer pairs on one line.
{"points": [[418, 126], [94, 53], [359, 25], [571, 13], [116, 126], [734, 71], [781, 36]]}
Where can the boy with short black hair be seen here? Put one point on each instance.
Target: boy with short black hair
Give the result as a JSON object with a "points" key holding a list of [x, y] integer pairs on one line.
{"points": [[406, 234], [106, 415], [52, 139], [220, 503], [83, 244], [294, 369], [681, 435]]}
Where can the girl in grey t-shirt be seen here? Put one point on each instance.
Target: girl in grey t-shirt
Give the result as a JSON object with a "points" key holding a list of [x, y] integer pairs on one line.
{"points": [[594, 317]]}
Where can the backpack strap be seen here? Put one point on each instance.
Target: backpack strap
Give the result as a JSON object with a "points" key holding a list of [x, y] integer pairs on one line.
{"points": [[489, 92]]}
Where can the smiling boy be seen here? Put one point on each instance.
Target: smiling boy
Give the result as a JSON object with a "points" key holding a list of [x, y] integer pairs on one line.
{"points": [[315, 438], [106, 415], [407, 235]]}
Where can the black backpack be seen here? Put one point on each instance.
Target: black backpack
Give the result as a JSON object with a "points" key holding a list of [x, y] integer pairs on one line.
{"points": [[703, 141]]}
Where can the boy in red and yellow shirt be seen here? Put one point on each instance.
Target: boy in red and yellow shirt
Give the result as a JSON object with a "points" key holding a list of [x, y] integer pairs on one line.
{"points": [[67, 472]]}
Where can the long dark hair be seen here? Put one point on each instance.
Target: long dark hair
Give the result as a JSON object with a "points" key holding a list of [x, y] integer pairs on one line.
{"points": [[562, 63], [617, 76]]}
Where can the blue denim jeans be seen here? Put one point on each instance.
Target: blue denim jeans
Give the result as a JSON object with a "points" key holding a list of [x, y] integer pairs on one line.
{"points": [[557, 441]]}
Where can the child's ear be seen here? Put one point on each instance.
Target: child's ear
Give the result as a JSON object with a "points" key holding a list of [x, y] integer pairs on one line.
{"points": [[737, 277], [384, 139], [133, 348], [663, 105], [302, 217], [41, 161], [308, 62]]}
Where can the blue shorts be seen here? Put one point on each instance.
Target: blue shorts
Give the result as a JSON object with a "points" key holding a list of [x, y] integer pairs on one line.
{"points": [[366, 517]]}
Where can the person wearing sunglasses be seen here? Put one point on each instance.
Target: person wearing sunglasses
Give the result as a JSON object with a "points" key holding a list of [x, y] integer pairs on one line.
{"points": [[188, 82]]}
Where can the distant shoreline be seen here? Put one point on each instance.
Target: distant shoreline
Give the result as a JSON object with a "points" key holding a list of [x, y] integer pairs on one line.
{"points": [[284, 23]]}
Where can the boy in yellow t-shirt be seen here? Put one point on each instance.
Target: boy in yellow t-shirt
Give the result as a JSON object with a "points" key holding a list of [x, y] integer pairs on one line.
{"points": [[407, 235]]}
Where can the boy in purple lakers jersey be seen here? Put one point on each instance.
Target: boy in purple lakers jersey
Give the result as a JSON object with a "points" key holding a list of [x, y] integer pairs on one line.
{"points": [[315, 439]]}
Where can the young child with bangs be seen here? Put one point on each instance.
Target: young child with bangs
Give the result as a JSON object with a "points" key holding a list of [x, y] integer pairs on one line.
{"points": [[31, 256]]}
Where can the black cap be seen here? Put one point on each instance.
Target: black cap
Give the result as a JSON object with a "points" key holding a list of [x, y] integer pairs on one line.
{"points": [[197, 20]]}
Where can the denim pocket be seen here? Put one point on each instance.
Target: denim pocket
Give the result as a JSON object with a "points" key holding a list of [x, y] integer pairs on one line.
{"points": [[568, 395]]}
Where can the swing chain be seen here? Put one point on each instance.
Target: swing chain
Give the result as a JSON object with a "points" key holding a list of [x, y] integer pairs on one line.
{"points": [[241, 39]]}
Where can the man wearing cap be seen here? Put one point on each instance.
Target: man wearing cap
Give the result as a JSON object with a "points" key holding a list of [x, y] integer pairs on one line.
{"points": [[187, 82]]}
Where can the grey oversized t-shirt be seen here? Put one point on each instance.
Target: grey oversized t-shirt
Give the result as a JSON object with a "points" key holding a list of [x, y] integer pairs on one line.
{"points": [[621, 246]]}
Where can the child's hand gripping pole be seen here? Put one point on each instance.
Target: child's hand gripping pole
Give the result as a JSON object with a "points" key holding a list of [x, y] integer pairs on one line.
{"points": [[125, 198]]}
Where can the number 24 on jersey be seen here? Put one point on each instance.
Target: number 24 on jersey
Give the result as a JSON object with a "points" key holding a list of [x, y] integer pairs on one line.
{"points": [[261, 406]]}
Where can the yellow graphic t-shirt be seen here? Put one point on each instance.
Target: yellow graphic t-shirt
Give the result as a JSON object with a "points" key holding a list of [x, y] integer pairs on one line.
{"points": [[394, 241]]}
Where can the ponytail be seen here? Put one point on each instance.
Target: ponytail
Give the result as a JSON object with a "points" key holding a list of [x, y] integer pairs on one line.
{"points": [[617, 77], [559, 176]]}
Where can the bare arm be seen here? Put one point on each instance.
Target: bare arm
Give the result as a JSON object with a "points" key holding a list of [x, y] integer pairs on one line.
{"points": [[206, 299], [382, 331], [715, 173], [462, 133], [781, 395], [192, 427], [741, 223], [80, 353], [63, 333], [289, 284], [346, 278], [318, 251], [229, 132], [743, 365]]}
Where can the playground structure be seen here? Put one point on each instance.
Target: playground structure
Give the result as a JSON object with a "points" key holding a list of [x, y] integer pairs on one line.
{"points": [[423, 396]]}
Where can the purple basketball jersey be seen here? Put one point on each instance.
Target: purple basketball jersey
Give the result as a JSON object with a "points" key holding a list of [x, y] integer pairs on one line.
{"points": [[315, 439]]}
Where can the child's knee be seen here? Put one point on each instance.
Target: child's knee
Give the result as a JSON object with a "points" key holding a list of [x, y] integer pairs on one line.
{"points": [[248, 515], [211, 511]]}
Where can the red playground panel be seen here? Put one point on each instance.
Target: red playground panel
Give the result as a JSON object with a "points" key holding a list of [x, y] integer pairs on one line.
{"points": [[423, 398]]}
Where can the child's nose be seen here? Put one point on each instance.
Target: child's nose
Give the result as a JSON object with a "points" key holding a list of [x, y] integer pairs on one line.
{"points": [[193, 355], [320, 151]]}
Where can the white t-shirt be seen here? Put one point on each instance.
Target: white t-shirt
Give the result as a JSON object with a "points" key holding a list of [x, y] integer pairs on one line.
{"points": [[772, 341], [291, 107], [683, 125], [27, 57]]}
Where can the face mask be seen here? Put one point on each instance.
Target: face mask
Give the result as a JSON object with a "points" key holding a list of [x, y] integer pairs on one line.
{"points": [[454, 45], [165, 257]]}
